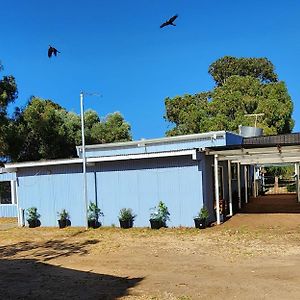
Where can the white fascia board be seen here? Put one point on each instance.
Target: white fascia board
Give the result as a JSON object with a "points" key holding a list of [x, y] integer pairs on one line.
{"points": [[14, 166], [252, 151], [145, 142], [268, 161], [275, 155]]}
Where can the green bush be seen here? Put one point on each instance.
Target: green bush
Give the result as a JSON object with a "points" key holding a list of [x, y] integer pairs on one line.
{"points": [[126, 214]]}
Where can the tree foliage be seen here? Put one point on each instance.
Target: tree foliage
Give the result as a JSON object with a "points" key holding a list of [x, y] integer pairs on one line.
{"points": [[254, 89], [8, 94], [45, 130], [227, 66]]}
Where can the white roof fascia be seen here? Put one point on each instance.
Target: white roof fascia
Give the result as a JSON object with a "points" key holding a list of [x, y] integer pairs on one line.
{"points": [[251, 151], [269, 161], [14, 166], [262, 155], [174, 139]]}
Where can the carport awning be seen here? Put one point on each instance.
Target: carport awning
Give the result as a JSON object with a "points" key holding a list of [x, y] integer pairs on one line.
{"points": [[251, 154]]}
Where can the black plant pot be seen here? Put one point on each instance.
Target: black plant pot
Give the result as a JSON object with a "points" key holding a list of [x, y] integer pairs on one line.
{"points": [[64, 223], [200, 223], [94, 224], [34, 223], [156, 224], [126, 223]]}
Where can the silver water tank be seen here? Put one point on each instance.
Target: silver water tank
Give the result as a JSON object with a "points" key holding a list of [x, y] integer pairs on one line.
{"points": [[247, 131]]}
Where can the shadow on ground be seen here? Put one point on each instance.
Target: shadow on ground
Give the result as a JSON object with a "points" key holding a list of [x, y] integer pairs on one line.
{"points": [[281, 203], [46, 250], [29, 279]]}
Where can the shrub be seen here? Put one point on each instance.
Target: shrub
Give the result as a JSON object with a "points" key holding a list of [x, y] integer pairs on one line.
{"points": [[160, 213], [63, 215], [32, 214], [94, 212], [126, 214]]}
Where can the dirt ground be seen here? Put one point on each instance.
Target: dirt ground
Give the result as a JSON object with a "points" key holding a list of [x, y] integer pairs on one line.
{"points": [[251, 256]]}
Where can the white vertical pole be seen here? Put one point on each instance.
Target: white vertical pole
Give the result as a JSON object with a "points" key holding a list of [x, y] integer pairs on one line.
{"points": [[13, 192], [254, 181], [239, 184], [297, 181], [246, 183], [83, 160], [217, 187], [230, 187]]}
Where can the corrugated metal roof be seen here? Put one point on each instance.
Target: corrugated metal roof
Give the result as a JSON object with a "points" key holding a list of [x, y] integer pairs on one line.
{"points": [[281, 139]]}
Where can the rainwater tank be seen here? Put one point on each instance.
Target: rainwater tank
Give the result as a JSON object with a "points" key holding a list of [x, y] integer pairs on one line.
{"points": [[247, 131]]}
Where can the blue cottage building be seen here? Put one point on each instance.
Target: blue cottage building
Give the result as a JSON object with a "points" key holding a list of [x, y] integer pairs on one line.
{"points": [[137, 175]]}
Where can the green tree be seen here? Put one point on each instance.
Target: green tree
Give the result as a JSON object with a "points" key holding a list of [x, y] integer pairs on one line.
{"points": [[45, 130], [8, 94], [227, 66], [225, 107], [113, 129]]}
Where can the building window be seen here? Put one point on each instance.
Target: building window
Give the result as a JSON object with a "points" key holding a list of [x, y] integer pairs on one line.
{"points": [[5, 193]]}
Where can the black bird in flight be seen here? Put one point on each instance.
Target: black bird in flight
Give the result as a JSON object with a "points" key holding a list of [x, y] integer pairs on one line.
{"points": [[52, 51], [169, 22]]}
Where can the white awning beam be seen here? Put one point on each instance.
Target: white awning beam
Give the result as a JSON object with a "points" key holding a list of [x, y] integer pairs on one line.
{"points": [[263, 155]]}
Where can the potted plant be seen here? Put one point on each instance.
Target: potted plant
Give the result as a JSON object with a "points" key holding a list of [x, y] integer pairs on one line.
{"points": [[126, 218], [94, 212], [160, 216], [33, 217], [64, 219], [201, 219]]}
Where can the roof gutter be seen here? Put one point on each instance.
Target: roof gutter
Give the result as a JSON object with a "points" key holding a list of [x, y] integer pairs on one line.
{"points": [[14, 166]]}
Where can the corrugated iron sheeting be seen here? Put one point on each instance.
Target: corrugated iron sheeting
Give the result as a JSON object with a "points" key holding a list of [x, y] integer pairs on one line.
{"points": [[283, 139]]}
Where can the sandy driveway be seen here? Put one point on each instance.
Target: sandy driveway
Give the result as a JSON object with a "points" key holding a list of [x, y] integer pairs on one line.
{"points": [[233, 261]]}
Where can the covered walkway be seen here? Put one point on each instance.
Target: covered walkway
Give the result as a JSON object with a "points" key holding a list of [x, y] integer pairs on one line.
{"points": [[285, 203], [256, 152]]}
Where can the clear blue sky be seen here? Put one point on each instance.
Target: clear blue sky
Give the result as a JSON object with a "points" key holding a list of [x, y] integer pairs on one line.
{"points": [[116, 48]]}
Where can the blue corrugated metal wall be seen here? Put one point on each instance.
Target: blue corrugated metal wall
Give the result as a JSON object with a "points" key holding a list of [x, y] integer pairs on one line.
{"points": [[7, 176], [8, 211], [136, 184], [53, 189], [142, 184]]}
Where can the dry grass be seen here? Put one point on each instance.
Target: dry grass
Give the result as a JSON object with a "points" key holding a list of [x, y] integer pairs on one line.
{"points": [[141, 263]]}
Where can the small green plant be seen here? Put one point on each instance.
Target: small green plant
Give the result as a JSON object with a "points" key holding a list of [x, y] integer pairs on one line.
{"points": [[63, 215], [291, 188], [126, 214], [160, 213], [32, 214], [203, 214], [94, 212]]}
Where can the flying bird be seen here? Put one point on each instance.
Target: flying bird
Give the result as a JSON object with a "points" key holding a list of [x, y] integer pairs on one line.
{"points": [[169, 22], [52, 51]]}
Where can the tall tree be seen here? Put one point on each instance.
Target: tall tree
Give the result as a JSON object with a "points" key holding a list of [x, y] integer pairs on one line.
{"points": [[45, 130], [255, 89], [8, 94], [227, 66]]}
